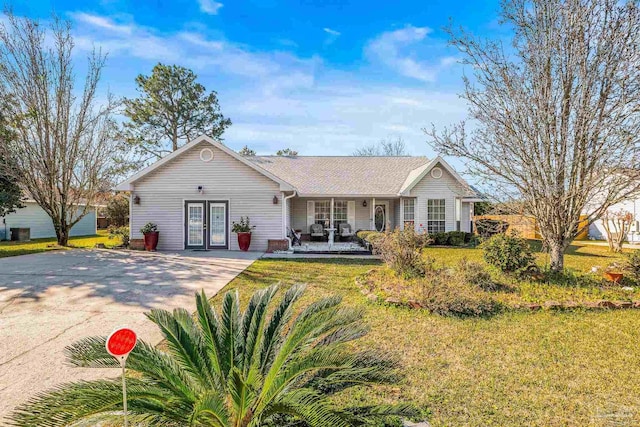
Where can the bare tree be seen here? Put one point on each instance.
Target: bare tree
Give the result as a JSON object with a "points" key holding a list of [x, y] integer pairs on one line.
{"points": [[386, 147], [62, 147], [556, 114], [617, 225]]}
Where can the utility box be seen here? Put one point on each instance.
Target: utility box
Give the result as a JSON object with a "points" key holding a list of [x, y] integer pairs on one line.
{"points": [[20, 234]]}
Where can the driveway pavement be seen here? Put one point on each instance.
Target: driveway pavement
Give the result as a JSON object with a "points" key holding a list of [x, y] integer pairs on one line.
{"points": [[50, 300]]}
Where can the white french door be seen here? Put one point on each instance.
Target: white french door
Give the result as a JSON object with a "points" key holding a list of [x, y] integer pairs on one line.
{"points": [[217, 224], [195, 224]]}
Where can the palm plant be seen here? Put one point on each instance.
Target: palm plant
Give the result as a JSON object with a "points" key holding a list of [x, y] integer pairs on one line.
{"points": [[260, 367]]}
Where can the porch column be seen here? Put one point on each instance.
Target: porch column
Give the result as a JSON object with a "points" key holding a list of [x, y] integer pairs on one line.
{"points": [[331, 215], [401, 210], [373, 213]]}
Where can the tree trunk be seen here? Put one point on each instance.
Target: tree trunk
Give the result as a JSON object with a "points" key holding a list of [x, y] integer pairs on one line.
{"points": [[62, 234], [556, 255]]}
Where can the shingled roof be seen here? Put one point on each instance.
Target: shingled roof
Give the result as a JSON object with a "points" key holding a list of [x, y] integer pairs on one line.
{"points": [[342, 175]]}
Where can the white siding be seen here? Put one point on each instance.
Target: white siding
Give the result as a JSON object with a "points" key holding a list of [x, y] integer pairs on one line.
{"points": [[465, 217], [163, 192], [32, 216], [446, 187]]}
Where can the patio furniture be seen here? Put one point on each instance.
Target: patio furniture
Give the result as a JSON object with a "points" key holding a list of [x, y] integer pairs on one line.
{"points": [[346, 231], [296, 238], [317, 231]]}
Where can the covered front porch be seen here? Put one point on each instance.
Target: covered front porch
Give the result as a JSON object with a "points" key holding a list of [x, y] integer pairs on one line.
{"points": [[335, 220]]}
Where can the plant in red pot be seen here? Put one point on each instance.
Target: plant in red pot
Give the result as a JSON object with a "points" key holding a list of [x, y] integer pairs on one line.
{"points": [[243, 230], [151, 234]]}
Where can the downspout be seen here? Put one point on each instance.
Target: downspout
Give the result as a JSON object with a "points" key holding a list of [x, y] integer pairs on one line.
{"points": [[284, 216]]}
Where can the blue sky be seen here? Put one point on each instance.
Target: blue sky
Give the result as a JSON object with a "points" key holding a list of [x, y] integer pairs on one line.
{"points": [[323, 77]]}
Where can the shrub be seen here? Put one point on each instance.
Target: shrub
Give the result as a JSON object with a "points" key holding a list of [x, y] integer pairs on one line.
{"points": [[122, 233], [508, 253], [401, 250], [440, 239], [447, 294], [632, 265], [474, 273], [117, 210], [455, 238]]}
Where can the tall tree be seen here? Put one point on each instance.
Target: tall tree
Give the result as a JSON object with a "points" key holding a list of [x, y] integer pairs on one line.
{"points": [[172, 109], [10, 191], [287, 152], [62, 150], [386, 147], [556, 114], [247, 152], [117, 210]]}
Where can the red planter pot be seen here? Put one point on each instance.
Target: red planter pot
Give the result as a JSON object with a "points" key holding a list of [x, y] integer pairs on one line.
{"points": [[613, 277], [244, 241], [151, 241]]}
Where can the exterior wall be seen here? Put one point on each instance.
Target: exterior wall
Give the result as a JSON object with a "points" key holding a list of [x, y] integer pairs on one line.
{"points": [[32, 216], [446, 187], [163, 192]]}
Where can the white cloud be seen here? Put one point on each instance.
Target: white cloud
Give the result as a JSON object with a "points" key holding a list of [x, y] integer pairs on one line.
{"points": [[391, 49], [277, 98], [210, 7], [332, 32], [101, 22]]}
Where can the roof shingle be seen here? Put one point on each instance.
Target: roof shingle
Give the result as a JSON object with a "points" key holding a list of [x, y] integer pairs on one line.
{"points": [[342, 175]]}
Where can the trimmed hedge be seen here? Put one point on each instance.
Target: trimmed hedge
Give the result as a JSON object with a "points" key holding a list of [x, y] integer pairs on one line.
{"points": [[451, 238]]}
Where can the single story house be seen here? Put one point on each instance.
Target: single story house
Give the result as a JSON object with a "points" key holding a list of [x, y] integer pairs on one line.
{"points": [[197, 192], [32, 216]]}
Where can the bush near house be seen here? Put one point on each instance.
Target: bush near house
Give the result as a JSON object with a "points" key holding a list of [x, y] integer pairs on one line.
{"points": [[401, 250], [508, 253]]}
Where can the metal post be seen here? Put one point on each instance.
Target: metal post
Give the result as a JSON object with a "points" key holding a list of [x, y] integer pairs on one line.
{"points": [[124, 397]]}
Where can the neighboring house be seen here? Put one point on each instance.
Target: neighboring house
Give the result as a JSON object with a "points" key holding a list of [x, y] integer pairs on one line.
{"points": [[195, 193], [597, 230], [35, 218]]}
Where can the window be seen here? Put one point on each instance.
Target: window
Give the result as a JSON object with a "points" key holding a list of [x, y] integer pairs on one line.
{"points": [[323, 212], [435, 216], [339, 212], [409, 212]]}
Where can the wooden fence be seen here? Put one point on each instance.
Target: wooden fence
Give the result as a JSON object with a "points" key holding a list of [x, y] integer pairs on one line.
{"points": [[526, 226]]}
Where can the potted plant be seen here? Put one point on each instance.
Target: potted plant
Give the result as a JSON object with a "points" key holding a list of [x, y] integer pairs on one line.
{"points": [[243, 230], [151, 233], [613, 273]]}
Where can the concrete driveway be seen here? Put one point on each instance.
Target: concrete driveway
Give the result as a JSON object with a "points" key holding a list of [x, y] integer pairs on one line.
{"points": [[50, 300]]}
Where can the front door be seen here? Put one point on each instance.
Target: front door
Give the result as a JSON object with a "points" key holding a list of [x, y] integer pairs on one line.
{"points": [[206, 224], [217, 224], [380, 216], [195, 225]]}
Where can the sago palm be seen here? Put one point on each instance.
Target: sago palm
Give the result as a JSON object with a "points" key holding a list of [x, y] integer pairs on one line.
{"points": [[263, 366]]}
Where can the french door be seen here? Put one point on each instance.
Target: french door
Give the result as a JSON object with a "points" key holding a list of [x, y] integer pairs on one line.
{"points": [[206, 224]]}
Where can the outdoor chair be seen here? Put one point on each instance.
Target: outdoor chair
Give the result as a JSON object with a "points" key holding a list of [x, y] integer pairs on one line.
{"points": [[317, 230], [346, 231], [296, 238]]}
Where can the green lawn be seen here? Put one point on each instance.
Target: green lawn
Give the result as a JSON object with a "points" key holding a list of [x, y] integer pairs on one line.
{"points": [[520, 368], [8, 249]]}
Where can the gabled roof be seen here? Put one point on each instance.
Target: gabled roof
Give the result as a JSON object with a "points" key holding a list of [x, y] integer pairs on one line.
{"points": [[128, 184], [416, 175], [342, 175], [327, 176]]}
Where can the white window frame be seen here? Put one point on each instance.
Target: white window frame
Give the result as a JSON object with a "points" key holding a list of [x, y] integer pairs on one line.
{"points": [[322, 215], [409, 212], [340, 212], [436, 215]]}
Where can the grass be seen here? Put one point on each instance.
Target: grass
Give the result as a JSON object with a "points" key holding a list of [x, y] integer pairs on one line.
{"points": [[535, 369], [8, 249]]}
